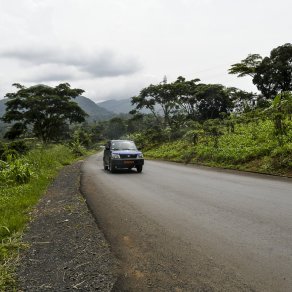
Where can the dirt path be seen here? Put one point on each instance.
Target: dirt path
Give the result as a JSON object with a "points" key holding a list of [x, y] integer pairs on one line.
{"points": [[67, 250]]}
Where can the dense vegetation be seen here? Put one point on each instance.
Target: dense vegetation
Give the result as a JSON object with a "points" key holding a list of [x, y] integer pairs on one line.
{"points": [[249, 146]]}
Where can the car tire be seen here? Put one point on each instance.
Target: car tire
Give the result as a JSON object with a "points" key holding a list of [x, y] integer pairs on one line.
{"points": [[105, 167], [139, 168], [111, 167]]}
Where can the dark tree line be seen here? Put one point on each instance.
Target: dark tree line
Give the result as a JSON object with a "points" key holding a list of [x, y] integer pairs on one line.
{"points": [[184, 100]]}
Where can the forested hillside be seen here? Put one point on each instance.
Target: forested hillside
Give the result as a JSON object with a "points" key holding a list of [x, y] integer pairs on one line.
{"points": [[122, 106], [117, 106], [94, 111]]}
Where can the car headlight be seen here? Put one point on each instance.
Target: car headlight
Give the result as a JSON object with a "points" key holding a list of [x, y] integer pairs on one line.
{"points": [[115, 156], [140, 155]]}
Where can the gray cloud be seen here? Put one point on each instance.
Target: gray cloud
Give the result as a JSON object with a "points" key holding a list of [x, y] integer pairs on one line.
{"points": [[108, 65], [84, 64], [49, 77]]}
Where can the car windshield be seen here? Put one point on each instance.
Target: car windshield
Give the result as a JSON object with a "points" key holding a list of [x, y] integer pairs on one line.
{"points": [[123, 145]]}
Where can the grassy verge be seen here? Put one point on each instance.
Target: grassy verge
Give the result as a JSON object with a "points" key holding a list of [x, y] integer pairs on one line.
{"points": [[17, 200], [251, 147]]}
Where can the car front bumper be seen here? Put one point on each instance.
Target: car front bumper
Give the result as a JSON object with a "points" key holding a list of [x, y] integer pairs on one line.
{"points": [[127, 163]]}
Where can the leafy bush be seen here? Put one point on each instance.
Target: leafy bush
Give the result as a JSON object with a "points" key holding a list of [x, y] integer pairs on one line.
{"points": [[15, 172], [282, 157], [40, 164], [13, 149], [3, 149], [9, 154], [19, 146], [77, 148]]}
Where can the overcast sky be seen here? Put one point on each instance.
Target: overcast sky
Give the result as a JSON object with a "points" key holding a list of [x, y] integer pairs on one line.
{"points": [[114, 48]]}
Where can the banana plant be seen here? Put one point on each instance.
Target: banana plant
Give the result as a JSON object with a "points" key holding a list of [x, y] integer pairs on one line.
{"points": [[281, 110]]}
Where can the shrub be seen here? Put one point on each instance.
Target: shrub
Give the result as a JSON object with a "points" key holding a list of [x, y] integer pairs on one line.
{"points": [[16, 171], [3, 149], [13, 149], [282, 157], [9, 154], [19, 146], [77, 148]]}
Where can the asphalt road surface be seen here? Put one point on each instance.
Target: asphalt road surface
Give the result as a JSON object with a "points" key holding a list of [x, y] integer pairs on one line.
{"points": [[184, 228]]}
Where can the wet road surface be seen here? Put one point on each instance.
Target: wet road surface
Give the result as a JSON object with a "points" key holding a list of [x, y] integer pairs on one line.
{"points": [[184, 228]]}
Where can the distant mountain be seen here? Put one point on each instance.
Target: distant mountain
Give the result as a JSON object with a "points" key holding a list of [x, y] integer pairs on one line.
{"points": [[123, 106], [117, 106], [95, 112]]}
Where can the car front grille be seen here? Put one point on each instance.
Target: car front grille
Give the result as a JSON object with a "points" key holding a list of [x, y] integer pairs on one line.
{"points": [[125, 156]]}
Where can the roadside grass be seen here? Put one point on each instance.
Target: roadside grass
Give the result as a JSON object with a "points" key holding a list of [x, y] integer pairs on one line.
{"points": [[18, 198], [250, 147]]}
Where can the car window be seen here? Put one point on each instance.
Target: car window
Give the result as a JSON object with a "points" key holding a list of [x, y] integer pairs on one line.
{"points": [[123, 145]]}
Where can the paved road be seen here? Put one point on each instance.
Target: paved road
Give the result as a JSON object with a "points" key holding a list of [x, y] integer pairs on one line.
{"points": [[185, 228]]}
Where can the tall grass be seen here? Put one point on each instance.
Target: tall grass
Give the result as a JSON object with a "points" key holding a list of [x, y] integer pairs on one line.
{"points": [[251, 146], [18, 196]]}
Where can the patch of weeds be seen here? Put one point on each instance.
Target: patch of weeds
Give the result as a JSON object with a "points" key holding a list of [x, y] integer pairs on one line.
{"points": [[9, 258], [70, 208]]}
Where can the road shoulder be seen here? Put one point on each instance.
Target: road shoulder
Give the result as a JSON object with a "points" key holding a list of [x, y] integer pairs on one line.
{"points": [[66, 250]]}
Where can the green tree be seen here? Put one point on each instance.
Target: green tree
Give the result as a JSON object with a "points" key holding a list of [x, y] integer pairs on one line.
{"points": [[160, 99], [280, 109], [186, 92], [271, 75], [184, 100], [97, 131], [243, 101], [15, 131], [212, 101], [46, 110], [247, 66], [115, 129]]}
